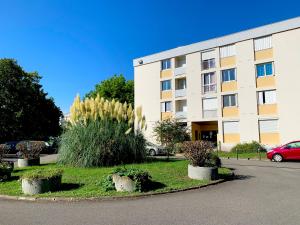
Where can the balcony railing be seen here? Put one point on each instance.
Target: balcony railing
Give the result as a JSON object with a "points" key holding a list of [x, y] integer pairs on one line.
{"points": [[180, 93], [179, 71], [180, 115], [210, 113], [209, 88]]}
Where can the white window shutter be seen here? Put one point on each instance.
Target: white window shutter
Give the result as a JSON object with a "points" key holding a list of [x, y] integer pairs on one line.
{"points": [[268, 126], [262, 43], [210, 104], [162, 107], [270, 97], [208, 55], [231, 127], [227, 51]]}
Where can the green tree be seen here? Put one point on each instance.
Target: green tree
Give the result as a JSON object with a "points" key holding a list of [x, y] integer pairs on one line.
{"points": [[25, 110], [116, 87], [169, 133]]}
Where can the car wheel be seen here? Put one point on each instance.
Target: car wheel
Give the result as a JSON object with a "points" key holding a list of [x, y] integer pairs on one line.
{"points": [[277, 158], [152, 152]]}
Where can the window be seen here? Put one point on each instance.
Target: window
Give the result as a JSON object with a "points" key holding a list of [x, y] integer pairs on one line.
{"points": [[262, 43], [180, 61], [228, 75], [180, 84], [268, 126], [209, 82], [229, 100], [210, 106], [227, 51], [265, 69], [266, 97], [294, 145], [166, 64], [231, 127], [208, 64], [166, 85], [166, 106]]}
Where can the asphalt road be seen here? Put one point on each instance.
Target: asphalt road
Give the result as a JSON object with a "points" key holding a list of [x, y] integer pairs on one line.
{"points": [[265, 193]]}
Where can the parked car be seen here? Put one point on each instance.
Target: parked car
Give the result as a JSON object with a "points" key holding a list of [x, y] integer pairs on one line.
{"points": [[153, 149], [11, 146], [289, 151]]}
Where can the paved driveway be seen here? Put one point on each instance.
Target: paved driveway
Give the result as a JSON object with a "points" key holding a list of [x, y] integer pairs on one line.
{"points": [[265, 193]]}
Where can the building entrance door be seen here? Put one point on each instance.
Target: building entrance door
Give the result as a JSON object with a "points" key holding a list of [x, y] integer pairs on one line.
{"points": [[209, 136]]}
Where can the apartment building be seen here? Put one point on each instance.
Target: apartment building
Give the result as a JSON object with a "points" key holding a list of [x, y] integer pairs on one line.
{"points": [[237, 88]]}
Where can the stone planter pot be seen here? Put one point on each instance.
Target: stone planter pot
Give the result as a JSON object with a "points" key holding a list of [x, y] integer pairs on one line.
{"points": [[39, 186], [202, 173], [123, 183], [28, 162]]}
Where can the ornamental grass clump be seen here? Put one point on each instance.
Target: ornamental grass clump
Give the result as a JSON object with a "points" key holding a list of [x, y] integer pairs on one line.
{"points": [[200, 153], [101, 133], [42, 174]]}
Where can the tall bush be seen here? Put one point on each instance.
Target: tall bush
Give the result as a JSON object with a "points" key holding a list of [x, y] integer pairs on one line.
{"points": [[101, 133]]}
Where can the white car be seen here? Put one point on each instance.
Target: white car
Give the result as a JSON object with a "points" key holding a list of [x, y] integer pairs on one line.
{"points": [[153, 149]]}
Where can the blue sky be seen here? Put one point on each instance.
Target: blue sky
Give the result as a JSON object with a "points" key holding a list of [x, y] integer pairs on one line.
{"points": [[76, 44]]}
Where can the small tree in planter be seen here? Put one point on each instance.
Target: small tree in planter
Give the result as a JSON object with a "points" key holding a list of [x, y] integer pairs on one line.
{"points": [[169, 133], [41, 181], [6, 168], [30, 152], [203, 162], [129, 180]]}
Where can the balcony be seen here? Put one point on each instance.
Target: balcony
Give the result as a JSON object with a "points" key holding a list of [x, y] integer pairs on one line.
{"points": [[209, 88], [179, 71], [210, 113], [181, 115], [180, 93]]}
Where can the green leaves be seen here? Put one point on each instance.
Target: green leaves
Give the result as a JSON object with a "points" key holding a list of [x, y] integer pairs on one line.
{"points": [[25, 110], [116, 87]]}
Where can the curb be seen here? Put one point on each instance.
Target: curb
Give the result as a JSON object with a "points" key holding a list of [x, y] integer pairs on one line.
{"points": [[245, 159], [71, 199]]}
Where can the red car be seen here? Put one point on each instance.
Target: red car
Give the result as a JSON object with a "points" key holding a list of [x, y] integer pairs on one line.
{"points": [[285, 152]]}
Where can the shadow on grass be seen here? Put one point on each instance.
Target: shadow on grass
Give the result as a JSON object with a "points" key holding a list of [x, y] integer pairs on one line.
{"points": [[155, 159], [153, 185], [70, 186]]}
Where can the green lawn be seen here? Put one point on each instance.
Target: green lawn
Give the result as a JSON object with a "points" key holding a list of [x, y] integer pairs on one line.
{"points": [[242, 155], [84, 183]]}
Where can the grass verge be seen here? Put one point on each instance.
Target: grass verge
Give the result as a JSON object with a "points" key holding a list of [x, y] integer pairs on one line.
{"points": [[86, 182], [253, 155]]}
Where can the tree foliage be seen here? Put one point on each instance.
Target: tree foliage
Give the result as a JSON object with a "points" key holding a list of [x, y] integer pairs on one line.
{"points": [[116, 87], [26, 112], [170, 132]]}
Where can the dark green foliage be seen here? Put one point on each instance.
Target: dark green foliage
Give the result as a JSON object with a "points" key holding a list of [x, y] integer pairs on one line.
{"points": [[116, 88], [25, 110], [141, 178], [200, 153], [251, 147], [171, 132], [101, 143], [6, 169]]}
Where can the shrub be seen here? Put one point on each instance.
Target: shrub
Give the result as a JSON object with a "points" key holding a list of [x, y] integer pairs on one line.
{"points": [[141, 178], [251, 147], [3, 150], [42, 174], [30, 149], [200, 153], [101, 133], [169, 133], [5, 170]]}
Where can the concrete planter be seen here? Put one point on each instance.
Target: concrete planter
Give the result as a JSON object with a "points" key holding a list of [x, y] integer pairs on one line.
{"points": [[202, 173], [28, 162], [39, 186], [123, 183]]}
